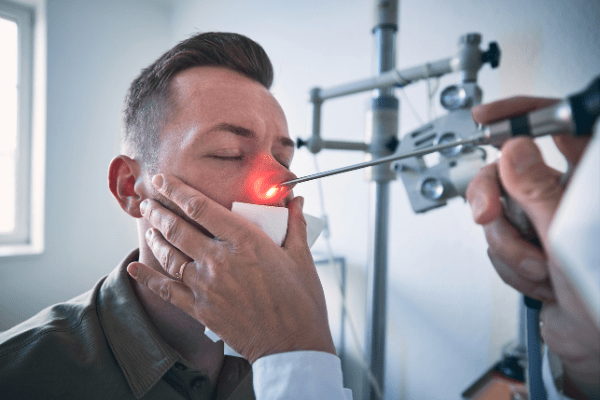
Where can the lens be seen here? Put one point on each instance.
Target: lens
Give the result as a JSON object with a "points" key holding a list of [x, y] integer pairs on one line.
{"points": [[453, 97], [432, 188], [449, 137]]}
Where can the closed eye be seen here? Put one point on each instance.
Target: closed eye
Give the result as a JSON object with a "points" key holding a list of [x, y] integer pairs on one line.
{"points": [[236, 158]]}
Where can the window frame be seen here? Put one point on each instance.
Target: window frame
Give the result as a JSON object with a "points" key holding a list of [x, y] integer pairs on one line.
{"points": [[27, 238]]}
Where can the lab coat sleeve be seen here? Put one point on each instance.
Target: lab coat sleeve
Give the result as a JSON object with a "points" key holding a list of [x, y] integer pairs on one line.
{"points": [[576, 227], [299, 375], [574, 239]]}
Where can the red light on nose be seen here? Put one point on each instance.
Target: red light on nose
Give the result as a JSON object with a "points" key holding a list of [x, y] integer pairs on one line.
{"points": [[271, 192], [264, 189], [262, 184], [266, 192]]}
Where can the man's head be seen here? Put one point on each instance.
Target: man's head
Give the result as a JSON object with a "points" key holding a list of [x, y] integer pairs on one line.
{"points": [[149, 101], [203, 112]]}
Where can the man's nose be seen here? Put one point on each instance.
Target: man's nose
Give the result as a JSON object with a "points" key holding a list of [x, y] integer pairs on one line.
{"points": [[262, 185], [278, 173], [288, 176], [284, 194]]}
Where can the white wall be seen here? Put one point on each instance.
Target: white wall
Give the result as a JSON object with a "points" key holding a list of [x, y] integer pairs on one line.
{"points": [[448, 313], [95, 49]]}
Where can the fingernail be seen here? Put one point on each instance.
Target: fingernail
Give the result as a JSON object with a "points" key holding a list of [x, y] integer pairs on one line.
{"points": [[157, 180], [478, 204], [133, 270], [144, 206], [301, 201], [524, 156]]}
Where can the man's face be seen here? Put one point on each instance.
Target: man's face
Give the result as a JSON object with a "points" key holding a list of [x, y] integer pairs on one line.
{"points": [[227, 137]]}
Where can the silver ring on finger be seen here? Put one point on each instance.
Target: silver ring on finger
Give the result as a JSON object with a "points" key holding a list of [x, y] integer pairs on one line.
{"points": [[179, 274]]}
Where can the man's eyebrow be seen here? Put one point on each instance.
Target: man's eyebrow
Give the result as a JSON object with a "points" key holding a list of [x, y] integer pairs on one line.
{"points": [[248, 133], [235, 129]]}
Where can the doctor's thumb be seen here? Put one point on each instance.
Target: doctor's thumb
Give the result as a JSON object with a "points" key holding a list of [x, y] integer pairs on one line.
{"points": [[530, 182]]}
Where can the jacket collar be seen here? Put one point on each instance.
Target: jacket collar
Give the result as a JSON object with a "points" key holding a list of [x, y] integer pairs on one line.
{"points": [[144, 357]]}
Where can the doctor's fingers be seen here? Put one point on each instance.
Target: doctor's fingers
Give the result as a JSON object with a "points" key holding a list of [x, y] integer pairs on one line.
{"points": [[531, 183], [507, 108], [483, 195], [519, 263], [539, 290], [179, 233], [570, 147]]}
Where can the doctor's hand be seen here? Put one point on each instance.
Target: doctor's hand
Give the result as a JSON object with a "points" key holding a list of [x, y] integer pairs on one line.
{"points": [[567, 328], [260, 298]]}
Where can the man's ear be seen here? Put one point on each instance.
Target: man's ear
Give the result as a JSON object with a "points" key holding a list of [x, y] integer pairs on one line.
{"points": [[123, 174]]}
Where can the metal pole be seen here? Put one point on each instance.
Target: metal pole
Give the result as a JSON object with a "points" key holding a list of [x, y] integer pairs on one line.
{"points": [[384, 127], [392, 78], [377, 286]]}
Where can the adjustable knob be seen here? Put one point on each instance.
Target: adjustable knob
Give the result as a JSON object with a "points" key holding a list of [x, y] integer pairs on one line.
{"points": [[392, 144], [300, 143], [492, 55]]}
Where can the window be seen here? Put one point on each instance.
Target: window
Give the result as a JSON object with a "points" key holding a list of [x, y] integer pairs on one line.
{"points": [[20, 223]]}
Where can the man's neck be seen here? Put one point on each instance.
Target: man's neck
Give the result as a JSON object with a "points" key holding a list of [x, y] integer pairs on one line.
{"points": [[179, 330]]}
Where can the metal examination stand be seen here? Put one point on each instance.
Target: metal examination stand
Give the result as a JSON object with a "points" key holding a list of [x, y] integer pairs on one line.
{"points": [[382, 140]]}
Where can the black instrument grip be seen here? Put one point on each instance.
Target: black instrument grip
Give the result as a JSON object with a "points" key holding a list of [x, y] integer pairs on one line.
{"points": [[585, 108]]}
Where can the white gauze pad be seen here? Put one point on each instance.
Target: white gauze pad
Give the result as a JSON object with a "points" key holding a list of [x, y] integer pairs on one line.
{"points": [[273, 221]]}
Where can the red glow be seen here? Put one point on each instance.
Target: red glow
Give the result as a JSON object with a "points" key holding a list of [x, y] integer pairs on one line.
{"points": [[262, 186], [271, 192]]}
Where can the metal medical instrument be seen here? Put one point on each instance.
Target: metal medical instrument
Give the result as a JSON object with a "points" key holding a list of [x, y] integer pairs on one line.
{"points": [[574, 116], [383, 160]]}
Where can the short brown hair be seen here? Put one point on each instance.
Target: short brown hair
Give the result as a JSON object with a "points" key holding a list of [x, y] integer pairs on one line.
{"points": [[148, 102]]}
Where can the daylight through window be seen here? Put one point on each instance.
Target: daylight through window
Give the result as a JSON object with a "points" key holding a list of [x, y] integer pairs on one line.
{"points": [[21, 128], [8, 123]]}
